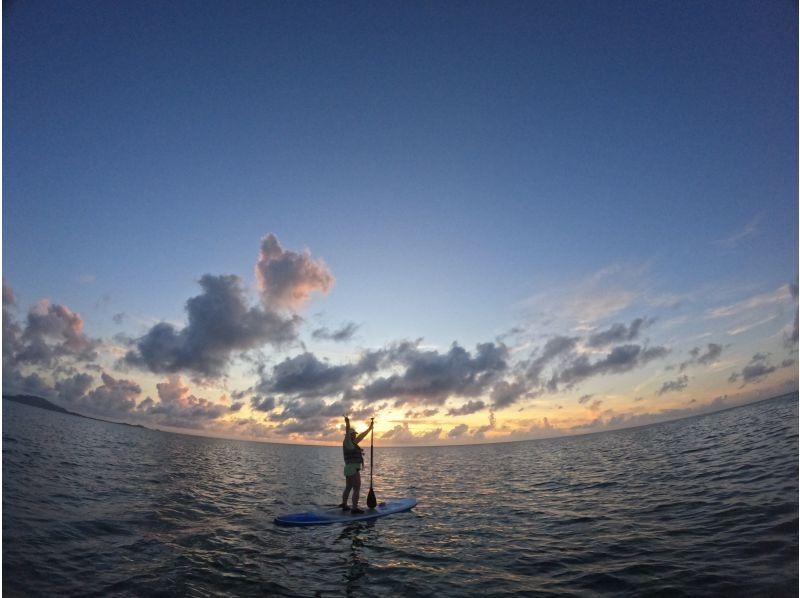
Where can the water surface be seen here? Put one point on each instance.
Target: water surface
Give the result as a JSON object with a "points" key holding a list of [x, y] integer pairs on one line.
{"points": [[702, 506]]}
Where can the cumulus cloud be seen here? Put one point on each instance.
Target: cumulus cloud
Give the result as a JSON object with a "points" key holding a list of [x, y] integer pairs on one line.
{"points": [[345, 333], [306, 374], [402, 433], [553, 348], [423, 413], [507, 393], [115, 398], [699, 357], [467, 408], [617, 333], [676, 385], [51, 332], [431, 377], [756, 370], [220, 325], [623, 358], [74, 387], [263, 403], [286, 278], [459, 431], [179, 408]]}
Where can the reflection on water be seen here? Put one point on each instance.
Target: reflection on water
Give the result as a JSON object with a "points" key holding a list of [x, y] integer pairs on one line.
{"points": [[706, 506]]}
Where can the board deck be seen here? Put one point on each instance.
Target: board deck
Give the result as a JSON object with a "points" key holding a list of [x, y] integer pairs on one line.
{"points": [[336, 515]]}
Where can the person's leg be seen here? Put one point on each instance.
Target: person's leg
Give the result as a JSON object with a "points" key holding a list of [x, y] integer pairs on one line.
{"points": [[346, 493], [356, 488]]}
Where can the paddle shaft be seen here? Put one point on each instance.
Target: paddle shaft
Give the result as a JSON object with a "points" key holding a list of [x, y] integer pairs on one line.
{"points": [[371, 453]]}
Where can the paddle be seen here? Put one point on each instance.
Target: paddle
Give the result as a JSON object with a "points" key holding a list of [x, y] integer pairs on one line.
{"points": [[372, 502]]}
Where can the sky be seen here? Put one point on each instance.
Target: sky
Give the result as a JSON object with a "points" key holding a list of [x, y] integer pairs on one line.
{"points": [[473, 221]]}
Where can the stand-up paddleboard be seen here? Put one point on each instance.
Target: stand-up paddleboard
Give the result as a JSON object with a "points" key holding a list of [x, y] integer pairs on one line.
{"points": [[336, 515]]}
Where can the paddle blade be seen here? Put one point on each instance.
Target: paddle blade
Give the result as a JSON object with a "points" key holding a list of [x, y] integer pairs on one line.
{"points": [[372, 502]]}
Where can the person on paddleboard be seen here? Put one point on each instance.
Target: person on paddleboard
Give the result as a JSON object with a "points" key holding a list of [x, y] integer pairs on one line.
{"points": [[353, 462]]}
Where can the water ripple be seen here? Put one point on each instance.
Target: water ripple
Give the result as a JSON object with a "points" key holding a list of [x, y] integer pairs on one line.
{"points": [[707, 506]]}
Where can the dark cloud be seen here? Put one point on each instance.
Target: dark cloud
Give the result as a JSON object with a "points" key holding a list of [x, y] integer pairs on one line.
{"points": [[458, 431], [698, 357], [51, 332], [623, 358], [307, 375], [287, 279], [755, 371], [423, 413], [676, 385], [16, 382], [177, 407], [467, 408], [345, 333], [553, 348], [73, 388], [220, 324], [617, 333], [507, 393], [309, 408], [431, 377], [115, 398], [263, 403], [584, 399]]}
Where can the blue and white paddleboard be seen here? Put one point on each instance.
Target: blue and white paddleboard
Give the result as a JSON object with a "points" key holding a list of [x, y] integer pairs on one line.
{"points": [[336, 515]]}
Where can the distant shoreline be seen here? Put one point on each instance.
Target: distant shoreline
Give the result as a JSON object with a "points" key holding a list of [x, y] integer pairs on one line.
{"points": [[40, 403]]}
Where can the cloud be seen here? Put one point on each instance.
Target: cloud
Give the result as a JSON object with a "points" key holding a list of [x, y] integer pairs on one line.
{"points": [[301, 409], [779, 295], [458, 431], [467, 408], [307, 375], [676, 385], [16, 382], [420, 414], [402, 433], [711, 354], [756, 370], [750, 229], [584, 399], [507, 393], [345, 333], [177, 407], [220, 325], [115, 398], [790, 337], [263, 403], [73, 388], [431, 377], [554, 347], [617, 333], [287, 279], [51, 332], [623, 358]]}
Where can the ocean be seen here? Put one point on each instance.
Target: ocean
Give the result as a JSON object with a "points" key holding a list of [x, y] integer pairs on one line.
{"points": [[706, 506]]}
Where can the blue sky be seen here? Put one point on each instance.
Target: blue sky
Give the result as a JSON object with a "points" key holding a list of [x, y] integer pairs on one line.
{"points": [[504, 173]]}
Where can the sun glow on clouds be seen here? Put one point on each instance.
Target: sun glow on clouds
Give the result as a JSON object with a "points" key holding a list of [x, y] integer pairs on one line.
{"points": [[597, 354]]}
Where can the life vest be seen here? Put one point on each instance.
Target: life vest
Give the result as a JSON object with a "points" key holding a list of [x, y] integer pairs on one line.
{"points": [[354, 455]]}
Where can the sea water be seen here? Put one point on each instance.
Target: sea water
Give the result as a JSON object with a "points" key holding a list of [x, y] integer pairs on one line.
{"points": [[706, 506]]}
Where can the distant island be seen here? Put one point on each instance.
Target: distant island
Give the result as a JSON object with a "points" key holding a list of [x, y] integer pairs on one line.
{"points": [[40, 403]]}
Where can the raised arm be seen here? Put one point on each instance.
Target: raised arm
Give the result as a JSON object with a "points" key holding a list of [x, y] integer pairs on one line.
{"points": [[363, 434], [347, 425]]}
